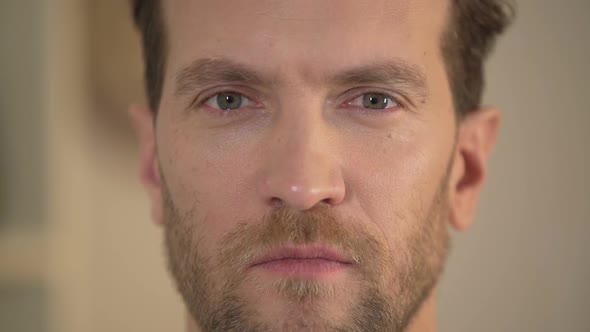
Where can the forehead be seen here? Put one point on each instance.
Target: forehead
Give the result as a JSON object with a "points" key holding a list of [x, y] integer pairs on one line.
{"points": [[304, 34]]}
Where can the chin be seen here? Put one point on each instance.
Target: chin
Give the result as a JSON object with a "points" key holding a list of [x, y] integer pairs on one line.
{"points": [[289, 301]]}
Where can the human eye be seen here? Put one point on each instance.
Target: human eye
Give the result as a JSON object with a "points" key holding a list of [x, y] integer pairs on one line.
{"points": [[228, 101], [374, 101]]}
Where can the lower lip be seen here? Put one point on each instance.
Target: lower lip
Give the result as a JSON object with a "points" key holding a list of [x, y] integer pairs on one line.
{"points": [[303, 267]]}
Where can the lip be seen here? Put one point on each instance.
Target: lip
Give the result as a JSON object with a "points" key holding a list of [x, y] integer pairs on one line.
{"points": [[302, 253]]}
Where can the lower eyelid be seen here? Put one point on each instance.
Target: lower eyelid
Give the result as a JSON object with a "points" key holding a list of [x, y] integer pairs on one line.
{"points": [[390, 98]]}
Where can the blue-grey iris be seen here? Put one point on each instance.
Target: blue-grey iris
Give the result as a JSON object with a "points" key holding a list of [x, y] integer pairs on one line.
{"points": [[229, 100]]}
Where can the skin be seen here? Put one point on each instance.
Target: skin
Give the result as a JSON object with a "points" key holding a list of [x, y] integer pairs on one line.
{"points": [[304, 145]]}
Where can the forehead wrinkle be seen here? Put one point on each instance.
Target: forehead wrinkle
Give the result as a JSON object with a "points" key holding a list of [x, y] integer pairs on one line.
{"points": [[315, 10]]}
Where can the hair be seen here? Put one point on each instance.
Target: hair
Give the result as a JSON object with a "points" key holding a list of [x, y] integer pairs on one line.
{"points": [[467, 41]]}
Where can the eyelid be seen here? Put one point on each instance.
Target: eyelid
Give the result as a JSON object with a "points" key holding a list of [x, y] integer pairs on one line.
{"points": [[206, 95], [390, 104], [352, 94], [246, 101]]}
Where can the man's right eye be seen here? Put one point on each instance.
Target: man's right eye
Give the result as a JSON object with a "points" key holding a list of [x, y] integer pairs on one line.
{"points": [[228, 101]]}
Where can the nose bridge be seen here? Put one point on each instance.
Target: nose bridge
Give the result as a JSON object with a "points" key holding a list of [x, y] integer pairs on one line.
{"points": [[301, 168]]}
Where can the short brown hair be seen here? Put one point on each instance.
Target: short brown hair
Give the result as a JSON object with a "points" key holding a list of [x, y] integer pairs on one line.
{"points": [[466, 43]]}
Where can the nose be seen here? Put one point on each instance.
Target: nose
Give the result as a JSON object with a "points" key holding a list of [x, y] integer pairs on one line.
{"points": [[301, 167]]}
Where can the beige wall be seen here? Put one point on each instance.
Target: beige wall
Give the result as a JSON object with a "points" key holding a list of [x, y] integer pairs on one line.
{"points": [[524, 266], [107, 267]]}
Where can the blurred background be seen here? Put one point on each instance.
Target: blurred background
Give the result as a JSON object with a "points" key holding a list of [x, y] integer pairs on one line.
{"points": [[78, 251]]}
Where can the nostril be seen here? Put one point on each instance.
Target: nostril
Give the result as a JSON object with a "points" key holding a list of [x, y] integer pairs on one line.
{"points": [[328, 201], [276, 202]]}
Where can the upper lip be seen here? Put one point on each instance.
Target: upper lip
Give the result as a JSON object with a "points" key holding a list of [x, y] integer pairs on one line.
{"points": [[302, 252]]}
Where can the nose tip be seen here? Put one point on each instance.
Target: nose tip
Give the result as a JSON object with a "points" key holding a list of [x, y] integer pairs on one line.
{"points": [[301, 197], [304, 192]]}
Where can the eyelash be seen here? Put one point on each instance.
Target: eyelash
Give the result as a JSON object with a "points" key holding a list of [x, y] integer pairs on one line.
{"points": [[201, 102], [359, 92]]}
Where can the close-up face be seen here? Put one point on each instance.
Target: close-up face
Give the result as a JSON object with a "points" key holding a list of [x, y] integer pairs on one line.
{"points": [[306, 161]]}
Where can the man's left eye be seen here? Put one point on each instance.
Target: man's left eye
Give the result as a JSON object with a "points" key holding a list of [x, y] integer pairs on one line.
{"points": [[377, 101]]}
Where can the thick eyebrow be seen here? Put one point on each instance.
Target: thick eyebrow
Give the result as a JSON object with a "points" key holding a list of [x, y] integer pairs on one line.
{"points": [[208, 71], [399, 74]]}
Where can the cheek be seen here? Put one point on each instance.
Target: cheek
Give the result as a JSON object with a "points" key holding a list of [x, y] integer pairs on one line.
{"points": [[204, 178], [396, 183]]}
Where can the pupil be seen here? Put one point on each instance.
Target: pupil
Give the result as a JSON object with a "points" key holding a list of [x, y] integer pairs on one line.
{"points": [[375, 101], [227, 101]]}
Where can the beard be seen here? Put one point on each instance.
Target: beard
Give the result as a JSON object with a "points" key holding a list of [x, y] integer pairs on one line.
{"points": [[393, 276]]}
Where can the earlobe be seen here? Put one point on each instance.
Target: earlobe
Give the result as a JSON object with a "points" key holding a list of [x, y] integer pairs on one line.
{"points": [[477, 135], [149, 169]]}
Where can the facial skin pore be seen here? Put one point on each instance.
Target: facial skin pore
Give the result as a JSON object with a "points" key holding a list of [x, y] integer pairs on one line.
{"points": [[303, 161]]}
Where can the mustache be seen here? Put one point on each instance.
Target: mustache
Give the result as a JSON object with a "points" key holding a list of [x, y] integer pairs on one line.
{"points": [[319, 225]]}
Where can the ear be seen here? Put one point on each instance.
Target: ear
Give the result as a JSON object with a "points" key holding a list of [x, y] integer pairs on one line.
{"points": [[149, 168], [476, 138]]}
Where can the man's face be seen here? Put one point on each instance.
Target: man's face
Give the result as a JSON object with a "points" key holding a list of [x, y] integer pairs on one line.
{"points": [[305, 161]]}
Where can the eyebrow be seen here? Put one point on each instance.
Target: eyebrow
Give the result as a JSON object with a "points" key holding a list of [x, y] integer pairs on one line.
{"points": [[205, 72], [396, 73]]}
